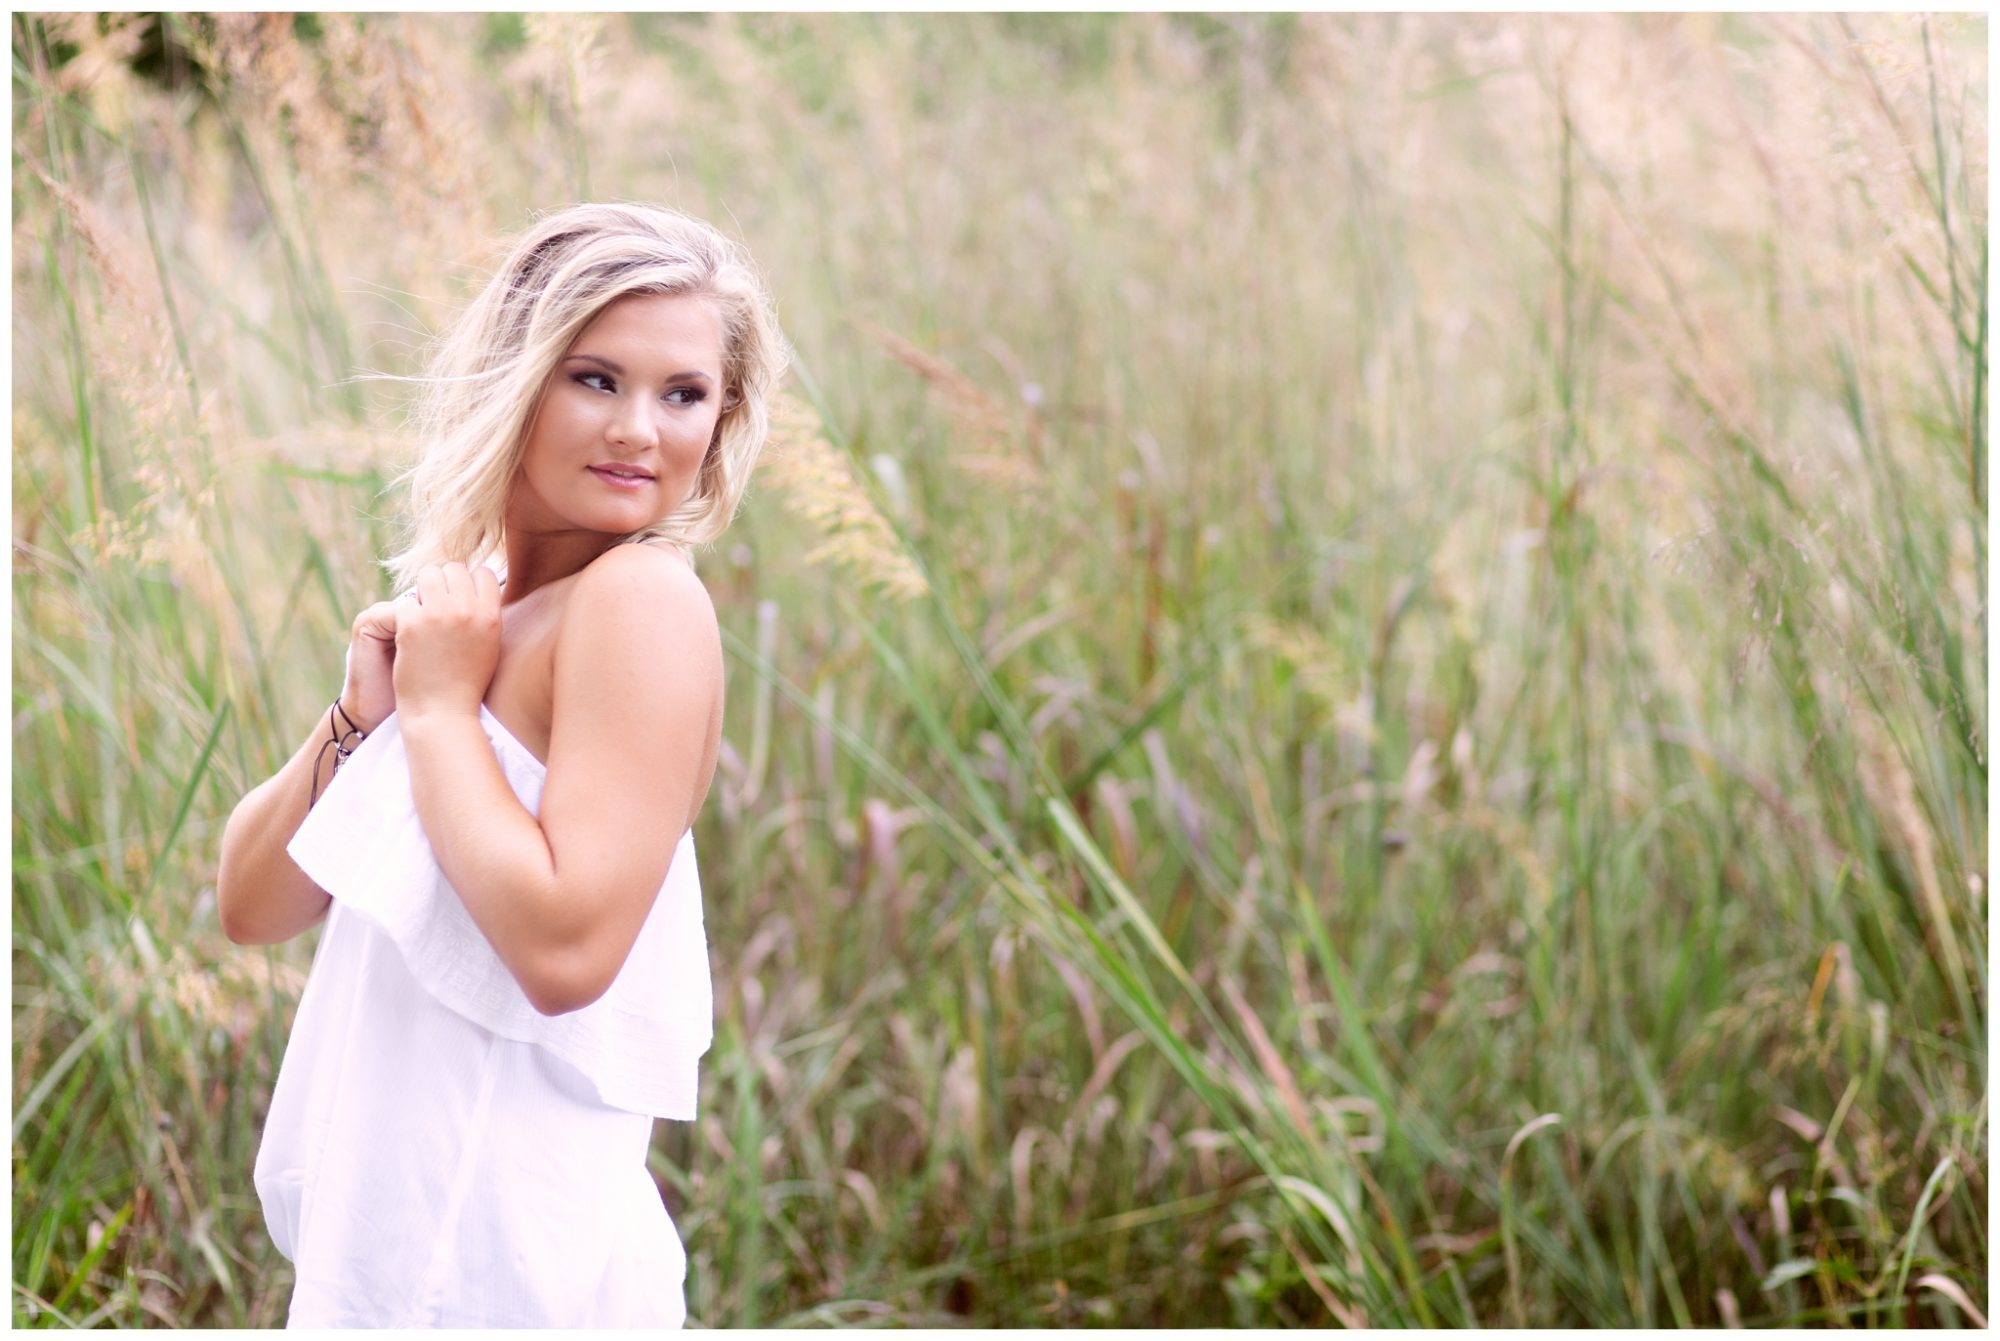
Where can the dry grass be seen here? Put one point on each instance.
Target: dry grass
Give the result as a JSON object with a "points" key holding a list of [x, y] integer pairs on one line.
{"points": [[1332, 587]]}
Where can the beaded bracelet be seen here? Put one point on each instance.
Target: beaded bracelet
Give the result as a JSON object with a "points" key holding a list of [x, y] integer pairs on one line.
{"points": [[341, 743]]}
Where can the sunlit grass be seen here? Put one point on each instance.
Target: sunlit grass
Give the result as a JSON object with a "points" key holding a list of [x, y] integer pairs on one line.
{"points": [[1356, 687]]}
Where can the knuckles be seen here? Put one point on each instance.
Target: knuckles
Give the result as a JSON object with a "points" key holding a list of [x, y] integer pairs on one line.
{"points": [[453, 600], [380, 615]]}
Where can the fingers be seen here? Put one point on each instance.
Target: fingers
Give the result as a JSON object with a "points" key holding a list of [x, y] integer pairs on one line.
{"points": [[486, 586], [445, 581], [377, 621]]}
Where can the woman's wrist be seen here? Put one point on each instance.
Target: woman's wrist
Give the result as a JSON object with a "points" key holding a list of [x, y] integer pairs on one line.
{"points": [[425, 717], [343, 715]]}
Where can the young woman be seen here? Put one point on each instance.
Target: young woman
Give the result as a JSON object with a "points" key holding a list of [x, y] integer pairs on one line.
{"points": [[512, 981]]}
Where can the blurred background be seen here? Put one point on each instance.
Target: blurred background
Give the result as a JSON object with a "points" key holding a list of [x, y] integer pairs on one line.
{"points": [[1357, 673]]}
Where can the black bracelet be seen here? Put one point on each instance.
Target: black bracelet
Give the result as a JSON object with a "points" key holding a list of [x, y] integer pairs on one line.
{"points": [[341, 743]]}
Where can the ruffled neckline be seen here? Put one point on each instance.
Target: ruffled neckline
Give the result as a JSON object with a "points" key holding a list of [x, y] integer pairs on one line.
{"points": [[639, 1044]]}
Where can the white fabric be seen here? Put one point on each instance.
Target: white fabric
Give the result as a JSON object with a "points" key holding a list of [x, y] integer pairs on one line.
{"points": [[364, 844], [438, 1153]]}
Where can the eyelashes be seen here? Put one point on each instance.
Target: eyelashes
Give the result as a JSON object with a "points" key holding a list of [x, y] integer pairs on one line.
{"points": [[597, 381]]}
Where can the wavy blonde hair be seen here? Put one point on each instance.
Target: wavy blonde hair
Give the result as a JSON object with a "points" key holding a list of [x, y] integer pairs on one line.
{"points": [[486, 376]]}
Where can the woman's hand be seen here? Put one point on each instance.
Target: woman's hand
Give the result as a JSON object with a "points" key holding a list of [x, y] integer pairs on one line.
{"points": [[447, 641], [370, 692]]}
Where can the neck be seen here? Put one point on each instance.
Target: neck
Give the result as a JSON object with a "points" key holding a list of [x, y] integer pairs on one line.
{"points": [[534, 561]]}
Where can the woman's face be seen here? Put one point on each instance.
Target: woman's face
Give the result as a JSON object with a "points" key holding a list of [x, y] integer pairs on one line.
{"points": [[625, 421]]}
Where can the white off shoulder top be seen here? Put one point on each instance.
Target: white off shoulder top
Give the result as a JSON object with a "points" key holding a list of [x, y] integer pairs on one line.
{"points": [[438, 1152]]}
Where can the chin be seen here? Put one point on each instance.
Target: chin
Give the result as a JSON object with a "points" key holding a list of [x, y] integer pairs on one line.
{"points": [[633, 516]]}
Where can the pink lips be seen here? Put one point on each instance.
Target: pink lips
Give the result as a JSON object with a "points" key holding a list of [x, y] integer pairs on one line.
{"points": [[626, 482]]}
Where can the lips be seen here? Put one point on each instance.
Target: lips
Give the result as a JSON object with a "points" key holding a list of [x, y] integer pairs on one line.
{"points": [[622, 477]]}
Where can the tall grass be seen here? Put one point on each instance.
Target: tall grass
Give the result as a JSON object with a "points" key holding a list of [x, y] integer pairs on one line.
{"points": [[1356, 680]]}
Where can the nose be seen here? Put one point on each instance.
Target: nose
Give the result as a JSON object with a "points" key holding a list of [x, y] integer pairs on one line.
{"points": [[632, 424]]}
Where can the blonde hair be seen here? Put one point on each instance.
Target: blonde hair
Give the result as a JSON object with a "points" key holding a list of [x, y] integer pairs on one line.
{"points": [[487, 374]]}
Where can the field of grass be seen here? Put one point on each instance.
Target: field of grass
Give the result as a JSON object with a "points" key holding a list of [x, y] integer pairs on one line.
{"points": [[1357, 679]]}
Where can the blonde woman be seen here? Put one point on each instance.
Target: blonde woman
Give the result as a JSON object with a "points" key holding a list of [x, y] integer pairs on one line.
{"points": [[493, 819]]}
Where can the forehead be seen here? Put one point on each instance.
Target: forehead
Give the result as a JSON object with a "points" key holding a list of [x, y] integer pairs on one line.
{"points": [[677, 326]]}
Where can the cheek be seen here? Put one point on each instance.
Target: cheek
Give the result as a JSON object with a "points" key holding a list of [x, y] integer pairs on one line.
{"points": [[567, 415], [552, 427], [697, 436]]}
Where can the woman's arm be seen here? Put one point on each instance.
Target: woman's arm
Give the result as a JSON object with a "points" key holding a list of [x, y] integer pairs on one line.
{"points": [[638, 673], [260, 892]]}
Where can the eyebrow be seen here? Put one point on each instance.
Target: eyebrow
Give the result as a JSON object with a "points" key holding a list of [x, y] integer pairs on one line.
{"points": [[691, 375]]}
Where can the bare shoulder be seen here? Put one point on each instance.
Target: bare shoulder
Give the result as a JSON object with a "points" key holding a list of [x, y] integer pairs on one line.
{"points": [[641, 597], [640, 563], [638, 688]]}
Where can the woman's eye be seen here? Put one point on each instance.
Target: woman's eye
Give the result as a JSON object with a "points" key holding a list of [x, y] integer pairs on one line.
{"points": [[686, 395], [594, 380]]}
